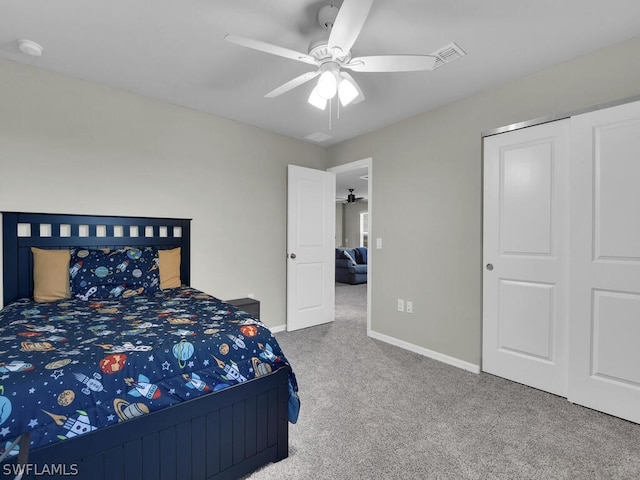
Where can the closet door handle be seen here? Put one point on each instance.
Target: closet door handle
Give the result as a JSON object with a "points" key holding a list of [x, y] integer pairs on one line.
{"points": [[293, 255], [489, 266]]}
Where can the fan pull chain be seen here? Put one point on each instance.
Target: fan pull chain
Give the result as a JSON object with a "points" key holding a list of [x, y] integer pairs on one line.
{"points": [[330, 102]]}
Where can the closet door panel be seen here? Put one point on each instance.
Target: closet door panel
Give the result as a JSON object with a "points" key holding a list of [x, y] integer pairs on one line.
{"points": [[617, 196], [616, 329], [525, 256], [605, 261]]}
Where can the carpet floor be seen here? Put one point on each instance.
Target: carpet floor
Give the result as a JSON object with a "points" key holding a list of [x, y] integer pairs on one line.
{"points": [[374, 411]]}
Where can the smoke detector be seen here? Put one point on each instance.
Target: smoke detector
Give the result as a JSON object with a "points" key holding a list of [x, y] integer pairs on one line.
{"points": [[29, 47]]}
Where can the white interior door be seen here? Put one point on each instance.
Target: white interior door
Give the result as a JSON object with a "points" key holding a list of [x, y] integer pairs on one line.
{"points": [[525, 244], [604, 368], [310, 247]]}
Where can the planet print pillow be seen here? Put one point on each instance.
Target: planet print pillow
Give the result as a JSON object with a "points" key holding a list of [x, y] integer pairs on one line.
{"points": [[110, 274]]}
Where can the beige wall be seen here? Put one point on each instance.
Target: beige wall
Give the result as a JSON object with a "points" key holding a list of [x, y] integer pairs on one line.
{"points": [[74, 147], [339, 224], [427, 195], [70, 146], [351, 223]]}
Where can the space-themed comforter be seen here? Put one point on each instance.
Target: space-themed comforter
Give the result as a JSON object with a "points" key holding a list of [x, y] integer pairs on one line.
{"points": [[70, 367]]}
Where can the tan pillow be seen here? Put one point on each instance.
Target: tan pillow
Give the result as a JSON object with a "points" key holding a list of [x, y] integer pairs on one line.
{"points": [[169, 268], [50, 275]]}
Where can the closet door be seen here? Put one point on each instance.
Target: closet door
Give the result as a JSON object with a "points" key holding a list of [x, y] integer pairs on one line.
{"points": [[604, 368], [525, 256]]}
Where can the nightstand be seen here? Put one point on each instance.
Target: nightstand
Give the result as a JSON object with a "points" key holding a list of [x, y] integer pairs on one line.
{"points": [[249, 305]]}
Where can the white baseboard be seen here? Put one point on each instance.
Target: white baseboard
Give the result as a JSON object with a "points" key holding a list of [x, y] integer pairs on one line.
{"points": [[456, 362]]}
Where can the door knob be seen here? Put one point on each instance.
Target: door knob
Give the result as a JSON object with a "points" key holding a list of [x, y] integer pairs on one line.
{"points": [[293, 255], [489, 266]]}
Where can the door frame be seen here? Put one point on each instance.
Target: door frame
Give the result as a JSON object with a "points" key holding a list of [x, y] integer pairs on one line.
{"points": [[366, 162]]}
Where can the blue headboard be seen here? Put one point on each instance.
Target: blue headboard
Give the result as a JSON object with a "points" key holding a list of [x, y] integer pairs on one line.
{"points": [[21, 231]]}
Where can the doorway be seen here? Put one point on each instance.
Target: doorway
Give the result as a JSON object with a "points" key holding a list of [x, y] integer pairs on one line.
{"points": [[357, 176]]}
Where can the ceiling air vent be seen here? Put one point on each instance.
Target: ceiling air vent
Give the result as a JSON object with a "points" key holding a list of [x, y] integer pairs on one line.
{"points": [[318, 137], [447, 54]]}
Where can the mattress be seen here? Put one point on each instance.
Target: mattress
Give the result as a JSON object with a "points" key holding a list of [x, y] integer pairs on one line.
{"points": [[70, 367]]}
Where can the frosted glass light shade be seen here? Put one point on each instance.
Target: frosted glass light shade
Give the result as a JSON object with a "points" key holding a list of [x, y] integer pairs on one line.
{"points": [[327, 85], [347, 92], [316, 100]]}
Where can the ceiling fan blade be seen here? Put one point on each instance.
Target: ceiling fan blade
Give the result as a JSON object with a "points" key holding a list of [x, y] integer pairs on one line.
{"points": [[270, 48], [291, 84], [347, 26], [392, 63]]}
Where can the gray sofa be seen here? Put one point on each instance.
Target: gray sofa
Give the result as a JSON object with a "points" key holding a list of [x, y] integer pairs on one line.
{"points": [[351, 265]]}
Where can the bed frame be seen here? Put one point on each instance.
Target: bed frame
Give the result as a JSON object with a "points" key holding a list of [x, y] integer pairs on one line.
{"points": [[219, 436]]}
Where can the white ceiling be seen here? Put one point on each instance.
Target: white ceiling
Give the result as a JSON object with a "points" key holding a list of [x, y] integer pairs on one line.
{"points": [[174, 51]]}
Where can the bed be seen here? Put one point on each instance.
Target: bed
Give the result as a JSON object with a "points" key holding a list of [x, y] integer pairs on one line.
{"points": [[187, 409]]}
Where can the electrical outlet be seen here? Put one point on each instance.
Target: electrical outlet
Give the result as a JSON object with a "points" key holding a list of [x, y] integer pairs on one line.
{"points": [[409, 306], [400, 305]]}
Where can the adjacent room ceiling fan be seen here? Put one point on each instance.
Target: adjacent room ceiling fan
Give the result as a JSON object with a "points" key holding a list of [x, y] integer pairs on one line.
{"points": [[331, 53], [351, 198]]}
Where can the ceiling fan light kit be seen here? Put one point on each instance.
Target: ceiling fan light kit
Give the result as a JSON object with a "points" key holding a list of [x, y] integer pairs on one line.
{"points": [[347, 90], [331, 53]]}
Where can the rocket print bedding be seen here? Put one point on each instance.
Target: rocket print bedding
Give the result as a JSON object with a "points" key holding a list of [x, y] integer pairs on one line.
{"points": [[70, 367]]}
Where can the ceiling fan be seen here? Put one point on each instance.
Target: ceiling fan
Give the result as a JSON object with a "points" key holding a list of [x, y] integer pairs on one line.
{"points": [[331, 54], [351, 198]]}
